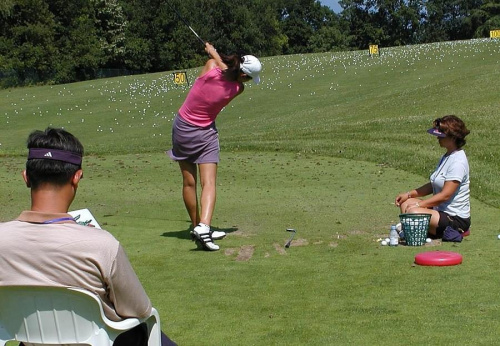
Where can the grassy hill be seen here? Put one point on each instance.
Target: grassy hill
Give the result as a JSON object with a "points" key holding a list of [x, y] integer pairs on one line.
{"points": [[346, 105]]}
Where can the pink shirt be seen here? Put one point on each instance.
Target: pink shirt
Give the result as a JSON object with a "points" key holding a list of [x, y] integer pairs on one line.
{"points": [[209, 94]]}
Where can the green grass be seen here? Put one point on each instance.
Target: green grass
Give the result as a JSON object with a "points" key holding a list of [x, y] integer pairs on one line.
{"points": [[328, 163]]}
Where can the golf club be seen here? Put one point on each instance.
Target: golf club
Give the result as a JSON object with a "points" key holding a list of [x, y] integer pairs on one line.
{"points": [[185, 22], [287, 245]]}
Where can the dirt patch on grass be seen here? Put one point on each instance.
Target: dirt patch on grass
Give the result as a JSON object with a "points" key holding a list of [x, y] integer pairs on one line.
{"points": [[230, 251], [299, 242], [279, 248], [240, 234], [333, 244], [245, 253], [357, 232]]}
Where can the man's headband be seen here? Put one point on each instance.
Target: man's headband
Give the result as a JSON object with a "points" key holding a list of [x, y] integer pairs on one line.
{"points": [[55, 154]]}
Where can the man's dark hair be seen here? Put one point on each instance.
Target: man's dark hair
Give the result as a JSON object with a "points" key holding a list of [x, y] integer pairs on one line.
{"points": [[41, 171]]}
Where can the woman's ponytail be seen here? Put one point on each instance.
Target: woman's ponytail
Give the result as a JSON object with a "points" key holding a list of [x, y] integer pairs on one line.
{"points": [[233, 63]]}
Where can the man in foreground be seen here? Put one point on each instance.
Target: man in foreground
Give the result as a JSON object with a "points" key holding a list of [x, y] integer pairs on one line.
{"points": [[46, 247]]}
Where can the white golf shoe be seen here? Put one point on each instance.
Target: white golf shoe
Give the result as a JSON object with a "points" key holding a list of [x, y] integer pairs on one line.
{"points": [[217, 234], [202, 236]]}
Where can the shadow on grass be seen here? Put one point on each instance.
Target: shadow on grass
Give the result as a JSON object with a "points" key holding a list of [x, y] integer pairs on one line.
{"points": [[184, 234]]}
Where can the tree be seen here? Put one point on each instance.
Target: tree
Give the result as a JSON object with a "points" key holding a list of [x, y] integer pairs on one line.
{"points": [[238, 26], [486, 18], [70, 40], [6, 7], [362, 27], [28, 45], [400, 21], [6, 43], [271, 40], [77, 40], [156, 40], [139, 50], [297, 24], [449, 20], [81, 53], [328, 36], [110, 28]]}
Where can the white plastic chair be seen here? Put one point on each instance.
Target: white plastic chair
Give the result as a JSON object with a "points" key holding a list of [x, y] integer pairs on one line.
{"points": [[53, 315]]}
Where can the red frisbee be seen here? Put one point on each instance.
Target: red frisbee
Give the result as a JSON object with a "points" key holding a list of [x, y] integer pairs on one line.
{"points": [[438, 258]]}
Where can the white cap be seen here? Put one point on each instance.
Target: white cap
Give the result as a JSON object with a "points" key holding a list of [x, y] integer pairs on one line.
{"points": [[251, 66]]}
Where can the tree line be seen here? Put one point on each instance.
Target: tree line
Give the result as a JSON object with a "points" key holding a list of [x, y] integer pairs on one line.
{"points": [[61, 41]]}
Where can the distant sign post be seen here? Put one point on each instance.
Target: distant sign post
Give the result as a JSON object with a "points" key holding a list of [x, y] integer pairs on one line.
{"points": [[180, 78], [495, 34], [374, 49]]}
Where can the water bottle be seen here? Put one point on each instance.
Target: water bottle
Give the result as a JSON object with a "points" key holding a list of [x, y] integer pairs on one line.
{"points": [[393, 236]]}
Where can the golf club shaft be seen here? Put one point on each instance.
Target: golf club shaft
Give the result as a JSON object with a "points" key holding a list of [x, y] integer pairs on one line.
{"points": [[199, 38], [287, 245], [186, 23]]}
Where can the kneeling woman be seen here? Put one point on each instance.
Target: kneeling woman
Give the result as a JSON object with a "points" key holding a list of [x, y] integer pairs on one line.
{"points": [[449, 204]]}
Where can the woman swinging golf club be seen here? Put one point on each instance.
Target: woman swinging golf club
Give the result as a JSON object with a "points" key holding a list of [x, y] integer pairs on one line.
{"points": [[195, 141]]}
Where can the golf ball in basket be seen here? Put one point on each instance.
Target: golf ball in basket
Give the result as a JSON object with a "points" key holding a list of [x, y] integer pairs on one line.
{"points": [[428, 240], [384, 243]]}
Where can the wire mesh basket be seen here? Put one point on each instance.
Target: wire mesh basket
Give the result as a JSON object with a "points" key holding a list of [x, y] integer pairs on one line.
{"points": [[415, 228]]}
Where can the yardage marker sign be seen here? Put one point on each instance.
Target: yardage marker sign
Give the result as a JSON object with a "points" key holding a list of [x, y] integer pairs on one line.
{"points": [[180, 78], [374, 49], [495, 34]]}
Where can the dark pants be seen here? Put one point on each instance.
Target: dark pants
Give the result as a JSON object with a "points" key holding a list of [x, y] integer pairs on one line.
{"points": [[138, 336], [456, 222]]}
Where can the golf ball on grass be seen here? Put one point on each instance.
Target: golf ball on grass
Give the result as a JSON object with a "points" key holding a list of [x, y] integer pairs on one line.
{"points": [[499, 236], [384, 243], [428, 240]]}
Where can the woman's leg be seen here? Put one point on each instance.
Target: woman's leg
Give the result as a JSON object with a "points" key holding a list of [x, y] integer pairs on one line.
{"points": [[189, 181], [208, 173], [208, 178], [434, 214]]}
